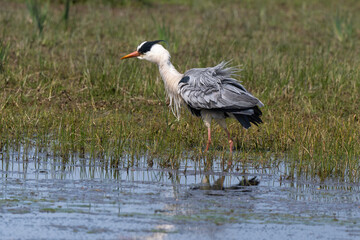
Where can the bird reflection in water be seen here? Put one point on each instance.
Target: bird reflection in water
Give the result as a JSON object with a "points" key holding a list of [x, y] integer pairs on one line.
{"points": [[219, 184]]}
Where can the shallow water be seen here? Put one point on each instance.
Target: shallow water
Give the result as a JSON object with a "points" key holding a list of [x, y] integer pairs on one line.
{"points": [[43, 197]]}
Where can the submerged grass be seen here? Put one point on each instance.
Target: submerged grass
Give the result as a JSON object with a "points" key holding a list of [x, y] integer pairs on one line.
{"points": [[67, 90]]}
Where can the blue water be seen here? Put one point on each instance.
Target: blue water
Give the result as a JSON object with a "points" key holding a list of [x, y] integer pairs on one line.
{"points": [[45, 197]]}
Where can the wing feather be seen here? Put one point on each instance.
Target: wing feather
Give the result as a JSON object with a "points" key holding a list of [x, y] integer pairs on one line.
{"points": [[214, 88]]}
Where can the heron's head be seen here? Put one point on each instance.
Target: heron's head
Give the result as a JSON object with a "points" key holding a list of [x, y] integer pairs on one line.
{"points": [[151, 51]]}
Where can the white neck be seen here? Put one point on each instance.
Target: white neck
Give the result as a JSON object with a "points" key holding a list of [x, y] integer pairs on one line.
{"points": [[171, 78]]}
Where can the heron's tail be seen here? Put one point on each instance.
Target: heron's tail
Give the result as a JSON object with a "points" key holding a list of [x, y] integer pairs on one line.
{"points": [[246, 119]]}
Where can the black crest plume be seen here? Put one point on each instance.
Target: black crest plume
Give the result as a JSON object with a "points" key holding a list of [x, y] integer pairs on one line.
{"points": [[147, 46]]}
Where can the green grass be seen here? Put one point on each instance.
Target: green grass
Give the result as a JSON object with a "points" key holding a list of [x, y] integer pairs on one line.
{"points": [[37, 13], [66, 90]]}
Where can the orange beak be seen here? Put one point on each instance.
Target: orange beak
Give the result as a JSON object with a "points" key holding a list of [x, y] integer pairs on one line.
{"points": [[133, 54]]}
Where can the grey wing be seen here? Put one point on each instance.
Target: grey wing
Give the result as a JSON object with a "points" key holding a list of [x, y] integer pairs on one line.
{"points": [[214, 88]]}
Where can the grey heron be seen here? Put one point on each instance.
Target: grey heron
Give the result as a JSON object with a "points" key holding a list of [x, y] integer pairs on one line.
{"points": [[209, 93]]}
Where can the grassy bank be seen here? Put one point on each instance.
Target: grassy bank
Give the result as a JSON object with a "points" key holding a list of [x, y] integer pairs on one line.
{"points": [[64, 87]]}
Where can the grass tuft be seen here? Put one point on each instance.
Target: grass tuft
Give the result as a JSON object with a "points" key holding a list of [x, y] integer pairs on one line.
{"points": [[4, 48], [37, 13], [66, 14], [343, 27]]}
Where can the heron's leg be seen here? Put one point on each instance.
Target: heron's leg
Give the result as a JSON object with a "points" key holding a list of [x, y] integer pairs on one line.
{"points": [[207, 121], [209, 139], [231, 142], [222, 123]]}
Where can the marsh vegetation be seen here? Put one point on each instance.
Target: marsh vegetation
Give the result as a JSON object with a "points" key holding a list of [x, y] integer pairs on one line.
{"points": [[65, 91]]}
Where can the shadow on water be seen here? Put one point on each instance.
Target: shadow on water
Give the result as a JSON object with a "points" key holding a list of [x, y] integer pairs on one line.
{"points": [[45, 197]]}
